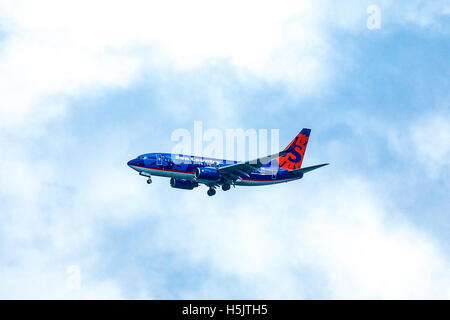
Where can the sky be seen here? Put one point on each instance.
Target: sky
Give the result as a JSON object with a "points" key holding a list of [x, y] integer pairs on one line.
{"points": [[86, 86]]}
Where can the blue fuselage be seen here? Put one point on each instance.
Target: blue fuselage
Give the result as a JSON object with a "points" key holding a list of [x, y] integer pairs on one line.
{"points": [[180, 166]]}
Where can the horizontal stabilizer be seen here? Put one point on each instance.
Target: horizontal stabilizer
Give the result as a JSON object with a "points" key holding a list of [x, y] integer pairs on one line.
{"points": [[307, 169]]}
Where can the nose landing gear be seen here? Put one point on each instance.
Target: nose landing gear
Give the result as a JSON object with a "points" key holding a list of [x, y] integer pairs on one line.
{"points": [[147, 175]]}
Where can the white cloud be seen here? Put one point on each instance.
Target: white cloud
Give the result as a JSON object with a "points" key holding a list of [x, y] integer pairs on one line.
{"points": [[422, 13], [53, 210], [57, 49], [340, 233], [426, 142], [430, 138], [53, 50], [367, 251]]}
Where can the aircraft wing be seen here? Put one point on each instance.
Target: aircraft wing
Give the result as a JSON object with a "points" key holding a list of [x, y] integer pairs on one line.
{"points": [[307, 169], [238, 170]]}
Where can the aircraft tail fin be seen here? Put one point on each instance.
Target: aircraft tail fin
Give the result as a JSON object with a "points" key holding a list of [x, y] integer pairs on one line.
{"points": [[295, 151]]}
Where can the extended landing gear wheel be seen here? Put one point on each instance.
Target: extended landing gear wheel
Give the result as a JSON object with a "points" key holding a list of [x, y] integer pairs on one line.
{"points": [[226, 187], [211, 192], [149, 181]]}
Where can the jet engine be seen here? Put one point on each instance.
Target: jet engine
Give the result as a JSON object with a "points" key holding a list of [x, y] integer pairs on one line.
{"points": [[182, 184], [207, 174]]}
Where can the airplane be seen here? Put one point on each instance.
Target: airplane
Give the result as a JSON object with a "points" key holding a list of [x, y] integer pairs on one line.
{"points": [[187, 172]]}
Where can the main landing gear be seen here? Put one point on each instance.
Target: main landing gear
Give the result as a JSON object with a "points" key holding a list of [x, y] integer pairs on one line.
{"points": [[212, 191]]}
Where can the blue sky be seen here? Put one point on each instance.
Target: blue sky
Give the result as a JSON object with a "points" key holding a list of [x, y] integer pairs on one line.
{"points": [[81, 99]]}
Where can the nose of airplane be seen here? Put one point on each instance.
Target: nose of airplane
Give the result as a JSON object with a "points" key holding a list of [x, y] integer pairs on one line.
{"points": [[133, 162]]}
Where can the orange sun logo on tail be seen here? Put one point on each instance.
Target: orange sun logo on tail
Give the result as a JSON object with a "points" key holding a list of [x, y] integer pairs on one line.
{"points": [[293, 160]]}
